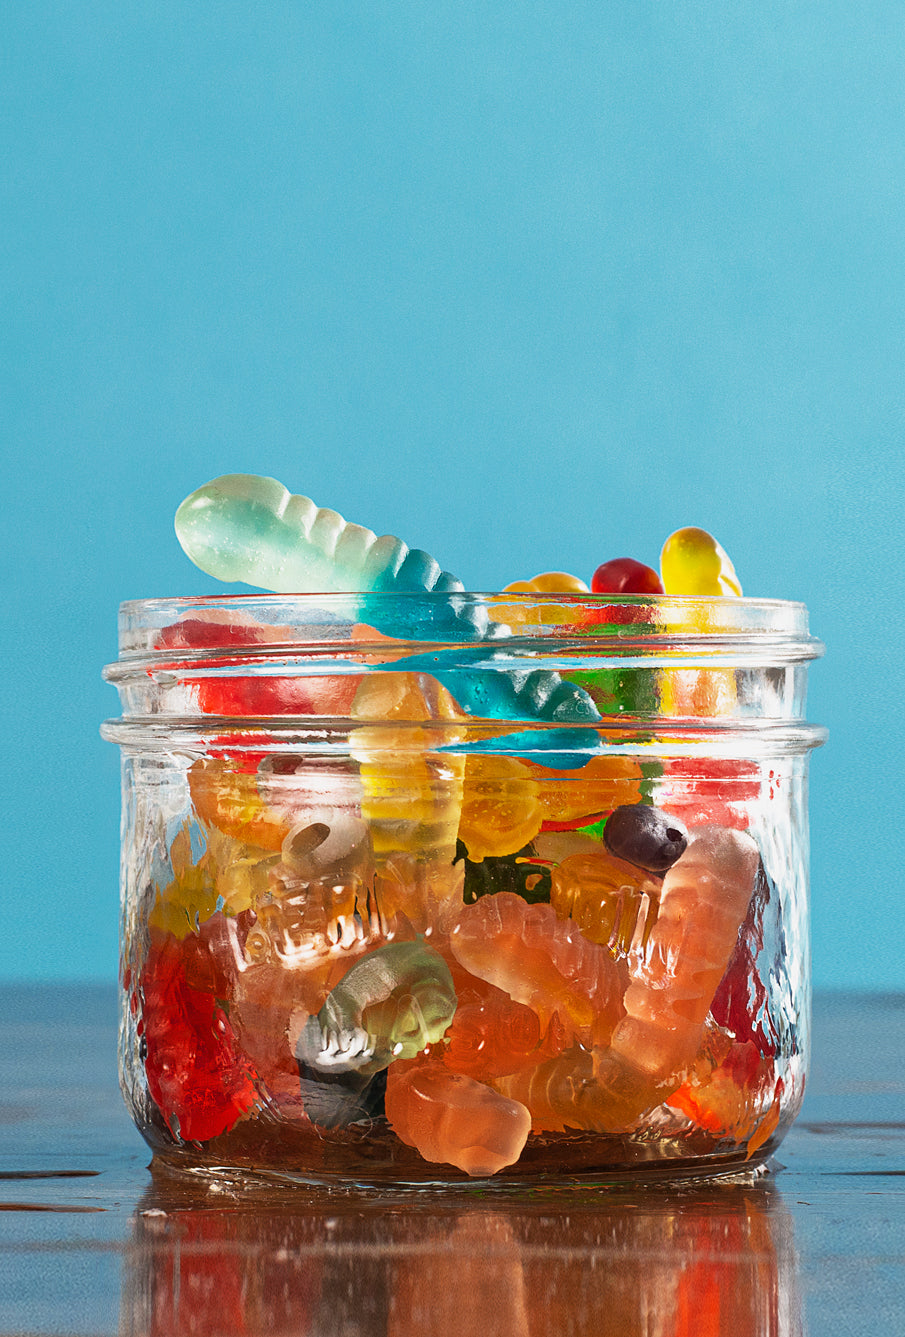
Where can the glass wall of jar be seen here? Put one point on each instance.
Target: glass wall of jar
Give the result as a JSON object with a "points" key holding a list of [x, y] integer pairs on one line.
{"points": [[425, 888]]}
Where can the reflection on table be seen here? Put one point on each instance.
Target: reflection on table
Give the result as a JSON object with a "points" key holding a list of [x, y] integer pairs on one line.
{"points": [[654, 1263]]}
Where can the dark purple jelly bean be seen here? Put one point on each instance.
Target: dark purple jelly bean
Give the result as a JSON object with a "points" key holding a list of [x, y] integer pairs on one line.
{"points": [[645, 836]]}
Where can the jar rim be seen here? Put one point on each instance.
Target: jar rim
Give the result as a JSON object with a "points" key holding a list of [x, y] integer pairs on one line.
{"points": [[726, 623]]}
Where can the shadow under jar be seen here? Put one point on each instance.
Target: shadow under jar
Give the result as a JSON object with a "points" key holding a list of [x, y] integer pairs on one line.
{"points": [[420, 889]]}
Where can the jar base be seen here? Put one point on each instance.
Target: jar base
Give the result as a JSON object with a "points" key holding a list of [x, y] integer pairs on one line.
{"points": [[240, 1176]]}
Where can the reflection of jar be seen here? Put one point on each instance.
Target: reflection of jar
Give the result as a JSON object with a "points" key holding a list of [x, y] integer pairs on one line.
{"points": [[399, 908], [655, 1265]]}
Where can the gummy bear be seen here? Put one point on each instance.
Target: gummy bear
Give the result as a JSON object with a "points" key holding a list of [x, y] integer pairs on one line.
{"points": [[501, 811], [535, 612], [692, 562], [391, 1004], [543, 962], [196, 1077], [550, 582], [453, 1119]]}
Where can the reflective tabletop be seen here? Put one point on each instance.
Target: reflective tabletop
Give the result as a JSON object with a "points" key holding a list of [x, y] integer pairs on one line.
{"points": [[93, 1242]]}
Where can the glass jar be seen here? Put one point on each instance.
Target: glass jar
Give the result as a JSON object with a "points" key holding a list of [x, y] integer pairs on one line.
{"points": [[422, 888]]}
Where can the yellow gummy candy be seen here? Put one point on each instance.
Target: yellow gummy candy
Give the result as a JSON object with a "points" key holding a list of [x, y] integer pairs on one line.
{"points": [[692, 562], [412, 794], [501, 811]]}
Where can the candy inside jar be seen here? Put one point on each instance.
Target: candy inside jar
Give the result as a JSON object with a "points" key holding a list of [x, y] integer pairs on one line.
{"points": [[420, 885]]}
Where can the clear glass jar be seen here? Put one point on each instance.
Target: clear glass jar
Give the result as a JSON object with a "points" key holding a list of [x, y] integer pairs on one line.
{"points": [[432, 888]]}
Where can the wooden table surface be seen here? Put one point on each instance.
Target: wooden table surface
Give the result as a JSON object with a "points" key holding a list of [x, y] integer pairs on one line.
{"points": [[91, 1243]]}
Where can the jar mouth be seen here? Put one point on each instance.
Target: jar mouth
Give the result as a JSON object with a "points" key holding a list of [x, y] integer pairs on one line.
{"points": [[739, 629], [561, 675]]}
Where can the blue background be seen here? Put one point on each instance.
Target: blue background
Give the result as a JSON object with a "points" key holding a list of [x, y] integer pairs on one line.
{"points": [[530, 285]]}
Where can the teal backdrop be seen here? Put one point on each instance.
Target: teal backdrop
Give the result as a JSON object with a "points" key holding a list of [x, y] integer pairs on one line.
{"points": [[528, 284]]}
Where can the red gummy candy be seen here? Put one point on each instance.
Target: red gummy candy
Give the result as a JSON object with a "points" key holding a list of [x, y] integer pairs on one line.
{"points": [[623, 575], [254, 695], [709, 790], [196, 1078]]}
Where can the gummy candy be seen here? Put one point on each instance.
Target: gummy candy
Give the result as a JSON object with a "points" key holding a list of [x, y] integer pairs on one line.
{"points": [[726, 1088], [692, 562], [645, 836], [452, 912], [611, 902], [227, 693], [543, 962], [562, 1093], [412, 795], [708, 790], [480, 687], [195, 1075], [271, 1003], [242, 527], [492, 1035], [391, 1004], [703, 904], [550, 582], [229, 800], [742, 1004], [501, 812], [603, 783], [339, 1099], [319, 899], [453, 1119], [534, 612], [245, 527], [623, 575], [508, 800], [225, 874]]}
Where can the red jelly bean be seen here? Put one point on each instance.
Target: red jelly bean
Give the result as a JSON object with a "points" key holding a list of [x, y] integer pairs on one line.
{"points": [[623, 575]]}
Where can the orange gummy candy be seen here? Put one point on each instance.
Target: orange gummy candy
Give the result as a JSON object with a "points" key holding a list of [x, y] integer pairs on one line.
{"points": [[450, 1118], [564, 1093], [703, 904], [571, 798], [527, 613], [229, 800], [492, 1035], [543, 962], [610, 901]]}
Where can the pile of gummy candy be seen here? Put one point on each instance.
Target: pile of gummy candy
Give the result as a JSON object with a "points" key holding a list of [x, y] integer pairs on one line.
{"points": [[459, 950]]}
